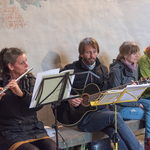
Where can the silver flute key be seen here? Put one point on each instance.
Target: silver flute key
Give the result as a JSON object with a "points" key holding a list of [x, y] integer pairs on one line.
{"points": [[6, 87]]}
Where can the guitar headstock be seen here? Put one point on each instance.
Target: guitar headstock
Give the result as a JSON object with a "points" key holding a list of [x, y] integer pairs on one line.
{"points": [[144, 80]]}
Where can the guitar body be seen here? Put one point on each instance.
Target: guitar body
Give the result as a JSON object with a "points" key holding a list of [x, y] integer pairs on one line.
{"points": [[71, 116]]}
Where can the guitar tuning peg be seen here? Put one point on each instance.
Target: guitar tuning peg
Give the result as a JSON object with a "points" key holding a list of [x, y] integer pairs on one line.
{"points": [[141, 79]]}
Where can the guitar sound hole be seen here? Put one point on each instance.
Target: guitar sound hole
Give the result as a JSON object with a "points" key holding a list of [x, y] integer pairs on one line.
{"points": [[85, 102]]}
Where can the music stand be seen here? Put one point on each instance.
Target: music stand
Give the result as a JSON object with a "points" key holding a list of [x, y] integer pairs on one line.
{"points": [[58, 94], [55, 96], [128, 94]]}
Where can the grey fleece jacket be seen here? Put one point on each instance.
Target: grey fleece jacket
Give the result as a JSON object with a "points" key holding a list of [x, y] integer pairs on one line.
{"points": [[121, 75]]}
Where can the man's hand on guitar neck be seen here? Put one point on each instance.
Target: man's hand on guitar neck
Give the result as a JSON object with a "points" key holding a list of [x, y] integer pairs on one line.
{"points": [[75, 102]]}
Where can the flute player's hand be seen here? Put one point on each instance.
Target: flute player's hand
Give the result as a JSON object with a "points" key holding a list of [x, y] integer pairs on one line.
{"points": [[13, 85]]}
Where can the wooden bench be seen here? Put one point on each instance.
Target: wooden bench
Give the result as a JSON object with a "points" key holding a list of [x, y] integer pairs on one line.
{"points": [[73, 137]]}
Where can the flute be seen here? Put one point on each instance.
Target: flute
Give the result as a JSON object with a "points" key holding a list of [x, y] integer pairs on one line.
{"points": [[6, 87]]}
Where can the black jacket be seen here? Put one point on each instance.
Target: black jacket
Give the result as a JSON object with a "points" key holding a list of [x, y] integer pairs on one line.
{"points": [[79, 81], [17, 121]]}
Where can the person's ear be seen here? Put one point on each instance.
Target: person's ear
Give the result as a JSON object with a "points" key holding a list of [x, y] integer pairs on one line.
{"points": [[125, 56], [10, 66]]}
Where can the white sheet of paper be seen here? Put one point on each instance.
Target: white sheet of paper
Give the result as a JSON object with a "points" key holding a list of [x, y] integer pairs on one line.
{"points": [[50, 131], [112, 95], [38, 81], [134, 90]]}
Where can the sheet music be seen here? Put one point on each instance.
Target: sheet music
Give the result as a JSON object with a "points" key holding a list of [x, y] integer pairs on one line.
{"points": [[133, 92], [130, 93], [69, 89], [51, 87], [39, 77], [107, 98], [71, 80]]}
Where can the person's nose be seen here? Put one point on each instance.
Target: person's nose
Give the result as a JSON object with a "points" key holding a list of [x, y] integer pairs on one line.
{"points": [[26, 64], [92, 54]]}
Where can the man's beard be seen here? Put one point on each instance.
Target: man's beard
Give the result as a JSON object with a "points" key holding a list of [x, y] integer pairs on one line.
{"points": [[89, 61]]}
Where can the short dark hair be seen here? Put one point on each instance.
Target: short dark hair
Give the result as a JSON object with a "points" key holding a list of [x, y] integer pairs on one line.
{"points": [[89, 41], [8, 55], [127, 48]]}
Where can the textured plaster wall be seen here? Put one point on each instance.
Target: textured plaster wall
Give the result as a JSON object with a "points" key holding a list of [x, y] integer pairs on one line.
{"points": [[52, 29]]}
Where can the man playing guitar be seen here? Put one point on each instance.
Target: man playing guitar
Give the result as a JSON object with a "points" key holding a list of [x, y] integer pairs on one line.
{"points": [[99, 118]]}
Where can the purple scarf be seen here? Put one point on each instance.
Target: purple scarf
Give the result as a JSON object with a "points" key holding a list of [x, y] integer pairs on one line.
{"points": [[130, 66]]}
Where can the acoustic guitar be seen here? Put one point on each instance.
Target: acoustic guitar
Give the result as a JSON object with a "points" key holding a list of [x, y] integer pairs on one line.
{"points": [[70, 116]]}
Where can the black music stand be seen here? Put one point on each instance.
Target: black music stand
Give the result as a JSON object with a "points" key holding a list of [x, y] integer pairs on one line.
{"points": [[61, 87], [59, 90]]}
